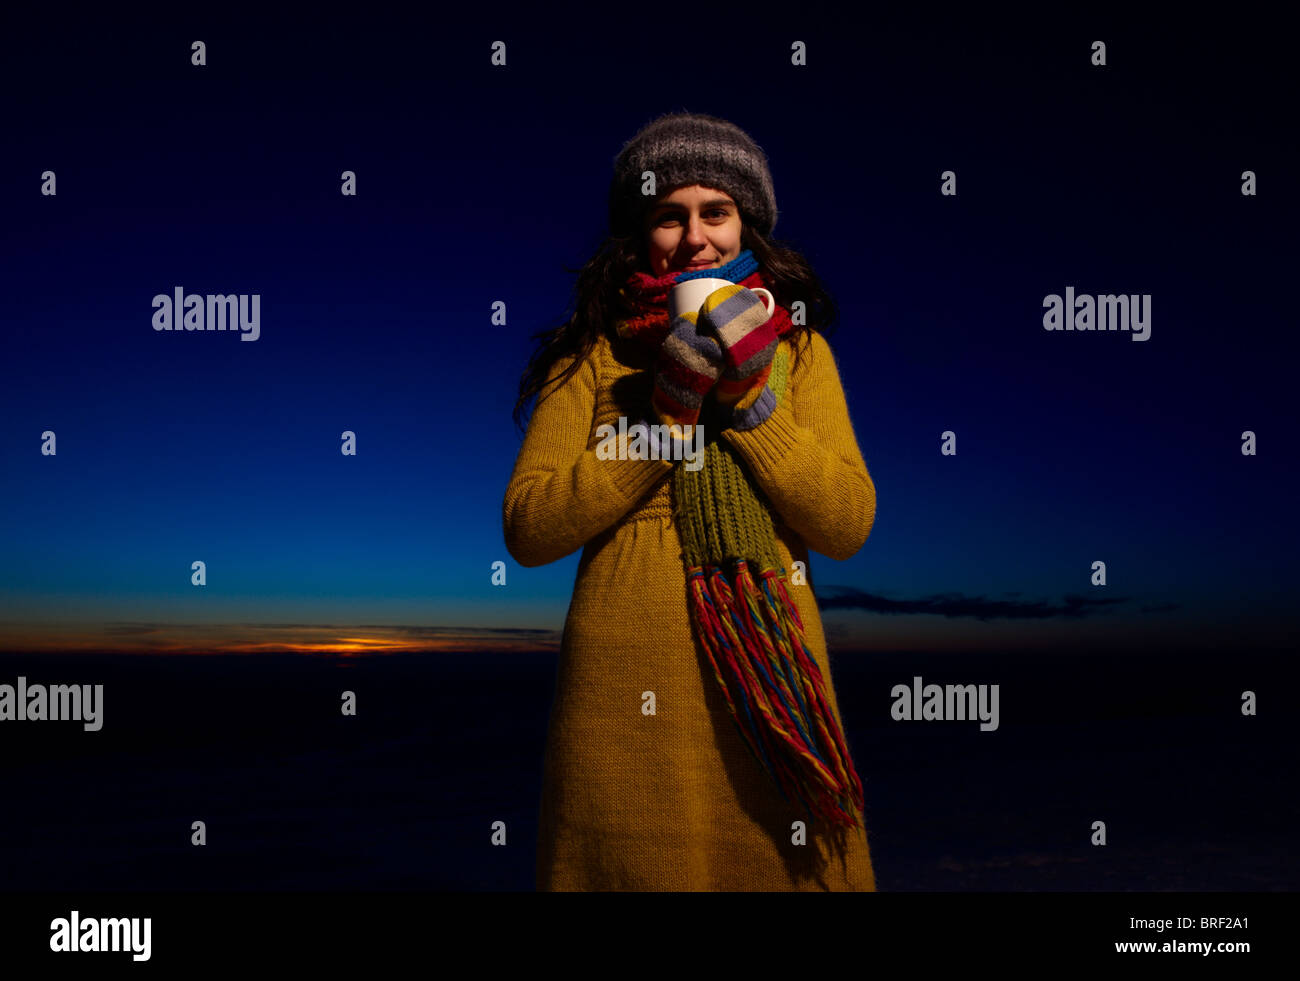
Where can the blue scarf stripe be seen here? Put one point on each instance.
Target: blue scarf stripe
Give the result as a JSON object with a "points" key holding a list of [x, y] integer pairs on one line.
{"points": [[741, 267]]}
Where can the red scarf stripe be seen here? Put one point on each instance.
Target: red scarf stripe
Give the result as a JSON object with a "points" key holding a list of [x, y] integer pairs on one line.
{"points": [[648, 324]]}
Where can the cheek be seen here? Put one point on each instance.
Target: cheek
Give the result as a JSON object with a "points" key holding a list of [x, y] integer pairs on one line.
{"points": [[664, 244]]}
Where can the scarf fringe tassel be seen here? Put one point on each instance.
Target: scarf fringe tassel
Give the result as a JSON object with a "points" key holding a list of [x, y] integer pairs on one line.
{"points": [[754, 638]]}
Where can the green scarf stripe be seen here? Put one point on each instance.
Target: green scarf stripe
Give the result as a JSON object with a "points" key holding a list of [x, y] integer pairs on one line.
{"points": [[780, 371], [720, 516]]}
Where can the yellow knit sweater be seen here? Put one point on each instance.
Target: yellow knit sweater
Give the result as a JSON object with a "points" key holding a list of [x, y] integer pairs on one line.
{"points": [[673, 800]]}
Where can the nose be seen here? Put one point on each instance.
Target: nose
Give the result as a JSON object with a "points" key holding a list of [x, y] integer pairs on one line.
{"points": [[695, 231]]}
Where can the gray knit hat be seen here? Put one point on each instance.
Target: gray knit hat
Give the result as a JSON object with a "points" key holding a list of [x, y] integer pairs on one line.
{"points": [[691, 148]]}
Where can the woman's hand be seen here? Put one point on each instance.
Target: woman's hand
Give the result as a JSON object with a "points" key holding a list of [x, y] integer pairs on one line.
{"points": [[688, 367], [747, 337]]}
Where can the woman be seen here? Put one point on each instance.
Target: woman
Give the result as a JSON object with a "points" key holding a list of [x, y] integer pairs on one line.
{"points": [[695, 740]]}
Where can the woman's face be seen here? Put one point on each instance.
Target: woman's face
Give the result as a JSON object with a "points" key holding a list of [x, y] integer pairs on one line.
{"points": [[695, 227]]}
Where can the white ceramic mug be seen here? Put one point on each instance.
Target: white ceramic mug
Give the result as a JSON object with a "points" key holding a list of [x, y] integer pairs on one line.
{"points": [[691, 294]]}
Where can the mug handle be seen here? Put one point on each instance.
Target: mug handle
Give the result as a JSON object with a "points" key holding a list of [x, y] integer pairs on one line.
{"points": [[769, 301]]}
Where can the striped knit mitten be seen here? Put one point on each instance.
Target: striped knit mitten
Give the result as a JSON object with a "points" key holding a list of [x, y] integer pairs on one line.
{"points": [[689, 364], [740, 321]]}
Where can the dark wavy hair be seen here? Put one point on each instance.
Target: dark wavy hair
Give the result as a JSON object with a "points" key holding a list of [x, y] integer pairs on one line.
{"points": [[597, 304]]}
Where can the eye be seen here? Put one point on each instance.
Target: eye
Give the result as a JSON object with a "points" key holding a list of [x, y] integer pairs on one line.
{"points": [[711, 213]]}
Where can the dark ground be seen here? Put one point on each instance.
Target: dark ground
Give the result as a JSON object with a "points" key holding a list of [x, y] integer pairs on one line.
{"points": [[297, 797]]}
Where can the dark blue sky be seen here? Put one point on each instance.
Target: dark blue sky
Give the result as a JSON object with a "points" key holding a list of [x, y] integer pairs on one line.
{"points": [[479, 183]]}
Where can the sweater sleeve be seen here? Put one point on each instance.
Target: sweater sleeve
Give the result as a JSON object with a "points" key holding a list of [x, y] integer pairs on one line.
{"points": [[806, 458], [561, 494]]}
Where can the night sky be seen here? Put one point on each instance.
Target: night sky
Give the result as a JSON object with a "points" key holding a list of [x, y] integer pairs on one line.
{"points": [[478, 184]]}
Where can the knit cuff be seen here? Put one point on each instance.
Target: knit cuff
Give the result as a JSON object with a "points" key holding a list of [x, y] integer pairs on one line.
{"points": [[675, 442], [756, 414], [633, 477], [771, 439]]}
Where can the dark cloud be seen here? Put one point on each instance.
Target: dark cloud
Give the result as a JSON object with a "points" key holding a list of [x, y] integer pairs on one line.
{"points": [[426, 631], [1070, 607], [170, 634], [133, 629]]}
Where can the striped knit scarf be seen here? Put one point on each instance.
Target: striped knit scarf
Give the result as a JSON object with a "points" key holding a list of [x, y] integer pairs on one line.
{"points": [[740, 607]]}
